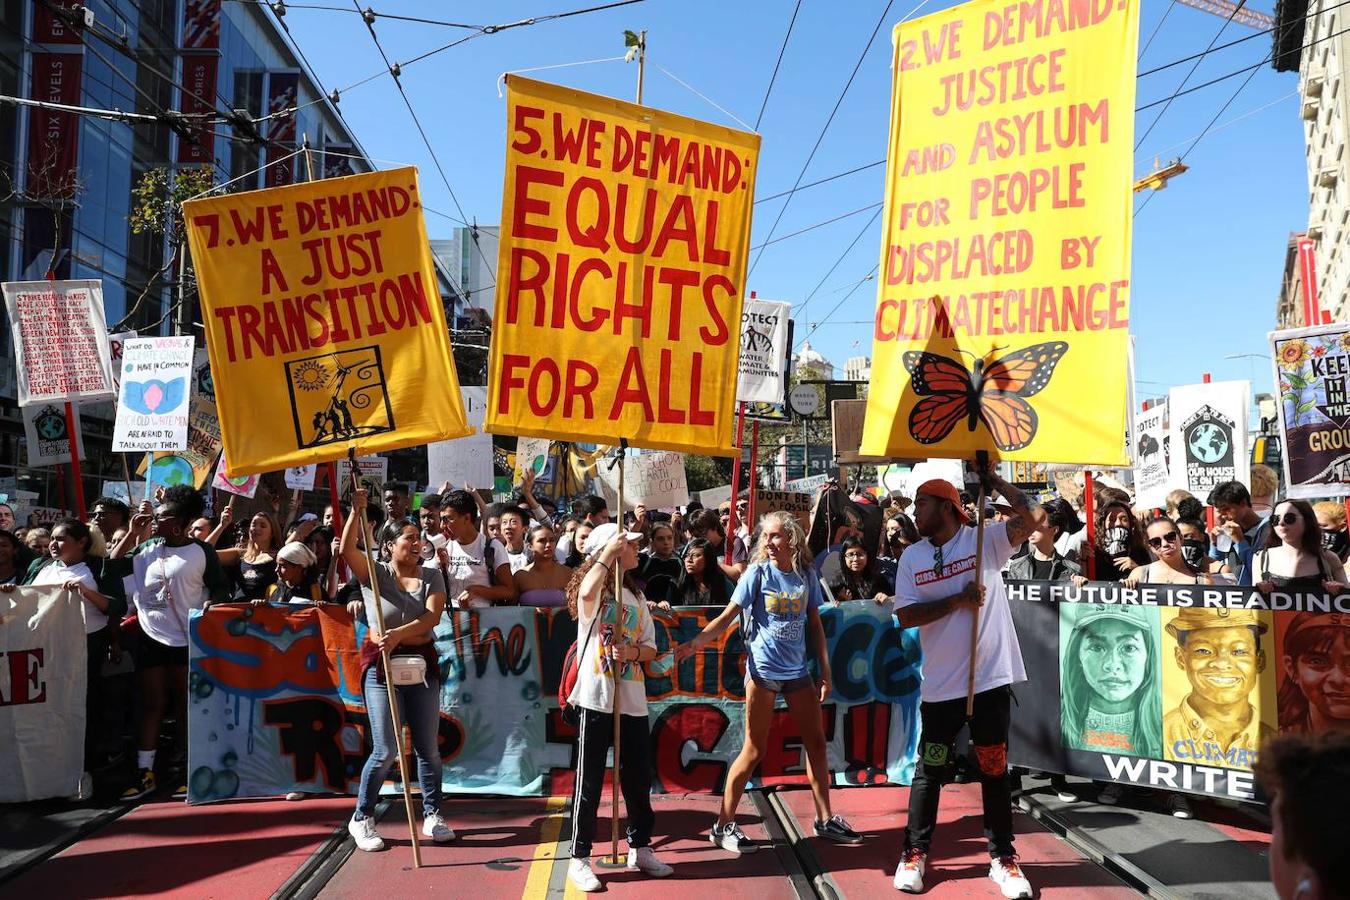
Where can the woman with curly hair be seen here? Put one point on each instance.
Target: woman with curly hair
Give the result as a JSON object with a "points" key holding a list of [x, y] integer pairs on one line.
{"points": [[252, 567], [606, 645], [778, 604], [1120, 547]]}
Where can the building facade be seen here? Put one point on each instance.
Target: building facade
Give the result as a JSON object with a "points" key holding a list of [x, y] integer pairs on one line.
{"points": [[69, 178], [1325, 109]]}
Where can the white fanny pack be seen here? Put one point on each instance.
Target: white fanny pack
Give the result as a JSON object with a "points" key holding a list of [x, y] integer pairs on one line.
{"points": [[407, 670]]}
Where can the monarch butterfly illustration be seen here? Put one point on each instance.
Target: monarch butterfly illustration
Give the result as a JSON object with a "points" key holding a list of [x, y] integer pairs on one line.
{"points": [[993, 393]]}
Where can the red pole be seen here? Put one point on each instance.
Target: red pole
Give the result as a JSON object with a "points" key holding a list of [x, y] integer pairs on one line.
{"points": [[736, 477], [1209, 516], [71, 421], [1307, 263], [1205, 378], [60, 489], [754, 466], [1090, 512]]}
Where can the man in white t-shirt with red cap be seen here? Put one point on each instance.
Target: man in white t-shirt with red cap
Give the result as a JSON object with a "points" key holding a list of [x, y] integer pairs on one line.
{"points": [[935, 590]]}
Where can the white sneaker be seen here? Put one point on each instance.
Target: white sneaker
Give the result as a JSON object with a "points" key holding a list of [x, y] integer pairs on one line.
{"points": [[434, 827], [643, 859], [579, 870], [365, 835], [909, 874], [295, 795], [1007, 874], [732, 839]]}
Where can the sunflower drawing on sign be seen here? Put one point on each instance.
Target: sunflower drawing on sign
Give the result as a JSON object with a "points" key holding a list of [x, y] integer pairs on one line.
{"points": [[338, 397], [993, 393]]}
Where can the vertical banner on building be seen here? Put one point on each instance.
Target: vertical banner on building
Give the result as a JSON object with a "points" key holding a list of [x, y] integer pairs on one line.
{"points": [[42, 713], [321, 299], [1152, 479], [46, 436], [1208, 430], [336, 160], [764, 346], [1312, 373], [53, 135], [60, 340], [198, 97], [152, 406], [620, 273], [283, 91], [1003, 304], [466, 460], [201, 24]]}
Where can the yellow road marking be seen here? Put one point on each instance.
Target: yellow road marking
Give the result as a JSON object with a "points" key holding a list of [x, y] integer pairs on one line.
{"points": [[541, 868]]}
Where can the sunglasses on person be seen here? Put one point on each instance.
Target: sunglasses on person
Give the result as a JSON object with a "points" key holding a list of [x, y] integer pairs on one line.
{"points": [[1170, 538], [1290, 518]]}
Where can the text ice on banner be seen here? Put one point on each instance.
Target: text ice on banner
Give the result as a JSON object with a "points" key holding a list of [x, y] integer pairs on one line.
{"points": [[620, 273], [466, 460], [60, 340], [321, 305], [1312, 372], [152, 405], [1002, 310]]}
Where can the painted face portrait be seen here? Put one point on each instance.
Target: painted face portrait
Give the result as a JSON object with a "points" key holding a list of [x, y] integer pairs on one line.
{"points": [[1315, 677], [1114, 655], [1221, 663]]}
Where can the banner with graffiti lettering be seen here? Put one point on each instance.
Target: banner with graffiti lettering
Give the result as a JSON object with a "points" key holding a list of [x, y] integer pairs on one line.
{"points": [[621, 271], [1003, 300], [1312, 370], [1172, 686], [322, 298], [275, 707]]}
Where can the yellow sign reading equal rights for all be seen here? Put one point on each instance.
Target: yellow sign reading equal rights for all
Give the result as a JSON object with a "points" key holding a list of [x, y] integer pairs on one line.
{"points": [[1002, 311]]}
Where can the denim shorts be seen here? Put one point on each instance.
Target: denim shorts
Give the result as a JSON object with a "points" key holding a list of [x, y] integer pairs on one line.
{"points": [[784, 687]]}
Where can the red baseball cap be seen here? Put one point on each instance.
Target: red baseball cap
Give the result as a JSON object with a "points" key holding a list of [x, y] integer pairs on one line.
{"points": [[944, 490]]}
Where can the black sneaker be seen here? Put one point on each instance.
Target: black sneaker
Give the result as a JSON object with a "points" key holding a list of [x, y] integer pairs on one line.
{"points": [[733, 840], [144, 786], [837, 830]]}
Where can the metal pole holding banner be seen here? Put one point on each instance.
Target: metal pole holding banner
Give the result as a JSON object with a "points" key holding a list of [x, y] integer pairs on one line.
{"points": [[1090, 513], [390, 689], [735, 478], [614, 860], [982, 467]]}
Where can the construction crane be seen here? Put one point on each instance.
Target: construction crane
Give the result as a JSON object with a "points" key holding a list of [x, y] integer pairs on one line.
{"points": [[1157, 179], [1224, 9]]}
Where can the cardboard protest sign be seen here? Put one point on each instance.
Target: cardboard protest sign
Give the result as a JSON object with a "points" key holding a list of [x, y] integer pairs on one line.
{"points": [[764, 346], [1207, 424], [655, 480], [60, 340], [116, 347], [1003, 299], [373, 473], [1152, 477], [152, 405], [466, 460], [795, 502], [300, 478], [534, 453], [46, 435], [1312, 369], [320, 300], [621, 271], [243, 485]]}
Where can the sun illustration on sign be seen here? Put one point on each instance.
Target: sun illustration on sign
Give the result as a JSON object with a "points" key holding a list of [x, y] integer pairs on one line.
{"points": [[310, 376]]}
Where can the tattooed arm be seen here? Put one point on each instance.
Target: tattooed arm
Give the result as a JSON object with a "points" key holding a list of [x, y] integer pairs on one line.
{"points": [[1029, 516], [925, 613]]}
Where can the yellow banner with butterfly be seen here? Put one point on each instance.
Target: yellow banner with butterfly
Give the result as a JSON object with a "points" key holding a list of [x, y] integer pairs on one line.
{"points": [[1002, 318]]}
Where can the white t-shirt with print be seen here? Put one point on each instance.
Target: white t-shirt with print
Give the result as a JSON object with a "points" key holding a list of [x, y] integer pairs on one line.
{"points": [[519, 560], [595, 685], [467, 567], [58, 572], [171, 583], [946, 642]]}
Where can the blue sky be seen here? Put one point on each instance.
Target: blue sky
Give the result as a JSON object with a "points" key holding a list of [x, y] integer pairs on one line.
{"points": [[1208, 250]]}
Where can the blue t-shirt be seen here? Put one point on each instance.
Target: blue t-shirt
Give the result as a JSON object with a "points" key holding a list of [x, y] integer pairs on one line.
{"points": [[778, 603]]}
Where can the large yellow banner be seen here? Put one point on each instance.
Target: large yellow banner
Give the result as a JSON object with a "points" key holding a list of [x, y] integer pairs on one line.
{"points": [[324, 321], [1003, 304], [621, 272]]}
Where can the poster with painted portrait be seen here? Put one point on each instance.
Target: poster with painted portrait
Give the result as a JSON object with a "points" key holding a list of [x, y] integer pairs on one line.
{"points": [[1110, 679]]}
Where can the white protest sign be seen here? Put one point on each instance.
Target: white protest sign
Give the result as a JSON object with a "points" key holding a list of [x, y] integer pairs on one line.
{"points": [[152, 405], [117, 344], [712, 497], [655, 480], [60, 340], [1207, 426], [45, 433], [807, 485], [244, 485], [1151, 477], [948, 470], [764, 339], [534, 453], [466, 460], [300, 478], [118, 491]]}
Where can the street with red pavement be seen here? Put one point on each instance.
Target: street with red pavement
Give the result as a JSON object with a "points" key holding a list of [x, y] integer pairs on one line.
{"points": [[517, 847]]}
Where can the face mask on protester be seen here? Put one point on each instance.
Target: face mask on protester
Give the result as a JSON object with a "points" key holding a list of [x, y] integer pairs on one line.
{"points": [[1193, 551], [1336, 541], [1117, 541]]}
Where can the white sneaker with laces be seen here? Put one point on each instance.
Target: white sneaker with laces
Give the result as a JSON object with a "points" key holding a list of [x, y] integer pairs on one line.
{"points": [[364, 833], [1007, 874], [434, 827], [582, 876], [909, 874], [643, 859]]}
